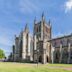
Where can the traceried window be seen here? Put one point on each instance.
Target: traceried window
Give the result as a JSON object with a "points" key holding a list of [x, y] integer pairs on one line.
{"points": [[46, 29], [45, 36], [63, 42], [54, 43], [71, 54], [68, 41], [58, 42], [39, 27]]}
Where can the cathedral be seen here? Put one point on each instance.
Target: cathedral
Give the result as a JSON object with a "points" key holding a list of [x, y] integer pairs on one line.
{"points": [[22, 50], [41, 47], [41, 35]]}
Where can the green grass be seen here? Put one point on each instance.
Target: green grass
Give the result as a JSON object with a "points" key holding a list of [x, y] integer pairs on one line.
{"points": [[23, 67]]}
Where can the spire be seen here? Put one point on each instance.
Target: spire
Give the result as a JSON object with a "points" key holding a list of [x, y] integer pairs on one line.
{"points": [[15, 36], [35, 20], [43, 16], [26, 27], [49, 22], [21, 31]]}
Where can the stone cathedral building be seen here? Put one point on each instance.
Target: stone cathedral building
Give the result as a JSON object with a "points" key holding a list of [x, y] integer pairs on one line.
{"points": [[61, 49], [22, 50], [41, 47], [41, 35]]}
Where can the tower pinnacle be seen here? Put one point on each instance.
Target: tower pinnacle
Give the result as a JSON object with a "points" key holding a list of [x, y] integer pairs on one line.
{"points": [[26, 27], [43, 18], [35, 20], [49, 22], [43, 15]]}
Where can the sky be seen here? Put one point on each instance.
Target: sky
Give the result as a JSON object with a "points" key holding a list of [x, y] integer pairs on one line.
{"points": [[14, 14]]}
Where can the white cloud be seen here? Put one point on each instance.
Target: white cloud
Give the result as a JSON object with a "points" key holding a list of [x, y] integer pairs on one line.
{"points": [[68, 6], [27, 6]]}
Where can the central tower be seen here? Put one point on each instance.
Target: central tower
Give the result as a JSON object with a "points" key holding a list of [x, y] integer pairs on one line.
{"points": [[41, 35]]}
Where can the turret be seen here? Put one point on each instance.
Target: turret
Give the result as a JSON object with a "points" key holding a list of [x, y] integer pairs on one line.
{"points": [[49, 22], [43, 18], [26, 28], [35, 20]]}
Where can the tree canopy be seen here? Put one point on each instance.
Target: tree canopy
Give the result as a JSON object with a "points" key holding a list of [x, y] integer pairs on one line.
{"points": [[2, 54]]}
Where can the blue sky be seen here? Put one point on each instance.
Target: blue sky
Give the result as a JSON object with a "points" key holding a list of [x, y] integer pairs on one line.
{"points": [[14, 14]]}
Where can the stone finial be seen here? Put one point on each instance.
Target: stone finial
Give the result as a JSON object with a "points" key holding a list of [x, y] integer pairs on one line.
{"points": [[15, 36], [35, 20], [49, 22], [26, 28], [43, 16]]}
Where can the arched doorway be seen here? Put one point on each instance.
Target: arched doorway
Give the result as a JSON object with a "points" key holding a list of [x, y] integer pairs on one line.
{"points": [[40, 58], [47, 58]]}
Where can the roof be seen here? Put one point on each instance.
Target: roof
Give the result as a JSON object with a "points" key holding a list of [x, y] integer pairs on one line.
{"points": [[65, 36]]}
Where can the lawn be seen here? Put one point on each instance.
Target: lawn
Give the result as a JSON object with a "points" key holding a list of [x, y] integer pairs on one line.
{"points": [[23, 67]]}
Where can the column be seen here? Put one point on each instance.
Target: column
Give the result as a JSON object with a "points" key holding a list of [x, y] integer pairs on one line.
{"points": [[44, 56], [35, 42], [61, 52], [35, 48], [69, 54], [52, 54]]}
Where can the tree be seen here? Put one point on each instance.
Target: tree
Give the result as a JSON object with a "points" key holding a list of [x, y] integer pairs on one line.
{"points": [[2, 54]]}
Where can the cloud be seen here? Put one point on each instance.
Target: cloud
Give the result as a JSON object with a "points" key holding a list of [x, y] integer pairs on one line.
{"points": [[68, 6], [27, 6]]}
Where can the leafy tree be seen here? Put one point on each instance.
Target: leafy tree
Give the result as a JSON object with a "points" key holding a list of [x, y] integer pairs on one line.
{"points": [[2, 54]]}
